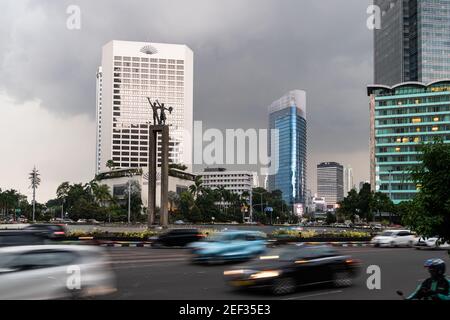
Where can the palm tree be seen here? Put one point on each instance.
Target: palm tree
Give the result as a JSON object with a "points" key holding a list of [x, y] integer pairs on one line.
{"points": [[35, 180], [110, 164], [61, 193], [197, 187], [102, 194]]}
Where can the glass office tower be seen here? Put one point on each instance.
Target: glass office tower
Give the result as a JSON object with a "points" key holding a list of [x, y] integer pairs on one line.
{"points": [[288, 116], [402, 118], [413, 43]]}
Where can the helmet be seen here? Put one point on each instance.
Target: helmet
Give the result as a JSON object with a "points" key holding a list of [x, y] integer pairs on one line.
{"points": [[437, 265]]}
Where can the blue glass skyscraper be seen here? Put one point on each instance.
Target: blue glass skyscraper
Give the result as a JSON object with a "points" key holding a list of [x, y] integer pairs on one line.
{"points": [[288, 116]]}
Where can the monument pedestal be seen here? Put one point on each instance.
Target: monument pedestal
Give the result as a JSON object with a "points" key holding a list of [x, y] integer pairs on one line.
{"points": [[163, 130]]}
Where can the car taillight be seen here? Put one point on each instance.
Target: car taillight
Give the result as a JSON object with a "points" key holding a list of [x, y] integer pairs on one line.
{"points": [[59, 233], [352, 261]]}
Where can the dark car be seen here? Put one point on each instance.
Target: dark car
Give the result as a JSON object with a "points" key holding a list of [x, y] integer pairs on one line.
{"points": [[178, 238], [12, 238], [284, 269], [50, 231]]}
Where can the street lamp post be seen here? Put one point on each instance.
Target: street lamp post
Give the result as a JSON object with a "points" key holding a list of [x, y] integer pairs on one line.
{"points": [[390, 194], [129, 198]]}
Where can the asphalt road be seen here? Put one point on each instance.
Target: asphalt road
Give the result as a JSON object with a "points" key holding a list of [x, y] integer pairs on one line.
{"points": [[160, 274]]}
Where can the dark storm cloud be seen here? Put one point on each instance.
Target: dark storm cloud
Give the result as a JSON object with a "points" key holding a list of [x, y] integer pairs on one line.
{"points": [[247, 54]]}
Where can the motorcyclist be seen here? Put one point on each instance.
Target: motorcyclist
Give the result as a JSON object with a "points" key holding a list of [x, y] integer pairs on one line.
{"points": [[437, 287]]}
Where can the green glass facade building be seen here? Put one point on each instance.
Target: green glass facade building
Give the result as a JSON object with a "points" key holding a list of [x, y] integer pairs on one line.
{"points": [[402, 118]]}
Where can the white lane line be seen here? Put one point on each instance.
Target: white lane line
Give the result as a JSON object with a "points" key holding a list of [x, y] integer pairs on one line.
{"points": [[147, 261], [144, 265], [314, 295]]}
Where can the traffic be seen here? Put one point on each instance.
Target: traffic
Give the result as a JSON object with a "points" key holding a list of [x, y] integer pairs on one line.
{"points": [[38, 262]]}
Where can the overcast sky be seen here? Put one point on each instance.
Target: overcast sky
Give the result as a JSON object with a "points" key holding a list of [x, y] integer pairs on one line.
{"points": [[248, 53]]}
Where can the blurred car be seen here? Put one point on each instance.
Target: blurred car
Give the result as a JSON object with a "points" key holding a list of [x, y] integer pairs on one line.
{"points": [[284, 269], [81, 221], [9, 238], [46, 272], [395, 238], [377, 227], [177, 238], [432, 243], [51, 231], [93, 221], [179, 222], [229, 246]]}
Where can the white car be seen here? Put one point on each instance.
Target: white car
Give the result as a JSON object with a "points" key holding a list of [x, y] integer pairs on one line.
{"points": [[432, 243], [395, 238], [45, 272]]}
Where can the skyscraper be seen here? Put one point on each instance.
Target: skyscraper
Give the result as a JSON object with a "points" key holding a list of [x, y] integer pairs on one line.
{"points": [[413, 43], [288, 116], [330, 182], [348, 180], [402, 118], [131, 72]]}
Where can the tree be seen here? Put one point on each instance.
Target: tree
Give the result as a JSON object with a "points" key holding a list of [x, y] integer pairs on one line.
{"points": [[429, 212], [102, 194], [110, 164], [349, 206], [382, 203], [35, 181], [197, 187], [365, 202], [331, 218], [174, 200], [61, 193], [135, 200]]}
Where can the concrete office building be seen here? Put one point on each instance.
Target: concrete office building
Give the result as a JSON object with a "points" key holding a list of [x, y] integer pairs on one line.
{"points": [[129, 73], [413, 43], [330, 183], [236, 182]]}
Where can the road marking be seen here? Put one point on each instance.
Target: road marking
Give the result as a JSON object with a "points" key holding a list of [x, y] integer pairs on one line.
{"points": [[148, 260], [314, 295]]}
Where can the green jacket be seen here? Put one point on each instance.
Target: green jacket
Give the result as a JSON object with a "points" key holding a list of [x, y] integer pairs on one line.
{"points": [[432, 290]]}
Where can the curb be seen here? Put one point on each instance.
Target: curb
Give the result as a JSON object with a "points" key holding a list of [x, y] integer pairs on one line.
{"points": [[115, 244], [122, 244], [128, 245], [341, 244]]}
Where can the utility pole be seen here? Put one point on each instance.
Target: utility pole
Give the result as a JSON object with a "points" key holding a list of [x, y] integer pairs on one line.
{"points": [[129, 198], [390, 194]]}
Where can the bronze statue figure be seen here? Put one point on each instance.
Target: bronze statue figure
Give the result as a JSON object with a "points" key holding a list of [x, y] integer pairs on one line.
{"points": [[159, 119], [163, 113]]}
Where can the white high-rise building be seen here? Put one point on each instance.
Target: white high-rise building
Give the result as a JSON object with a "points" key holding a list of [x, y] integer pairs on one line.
{"points": [[348, 180], [237, 182], [131, 72]]}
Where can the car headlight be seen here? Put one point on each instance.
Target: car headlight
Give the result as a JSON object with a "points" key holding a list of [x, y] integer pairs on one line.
{"points": [[236, 272], [265, 274]]}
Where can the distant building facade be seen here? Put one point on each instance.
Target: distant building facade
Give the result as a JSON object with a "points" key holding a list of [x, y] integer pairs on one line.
{"points": [[402, 118], [330, 182], [288, 116], [413, 43]]}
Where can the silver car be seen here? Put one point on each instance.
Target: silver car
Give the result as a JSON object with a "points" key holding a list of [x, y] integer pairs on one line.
{"points": [[54, 272]]}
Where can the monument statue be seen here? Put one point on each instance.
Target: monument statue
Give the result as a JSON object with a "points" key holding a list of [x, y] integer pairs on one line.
{"points": [[162, 117]]}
